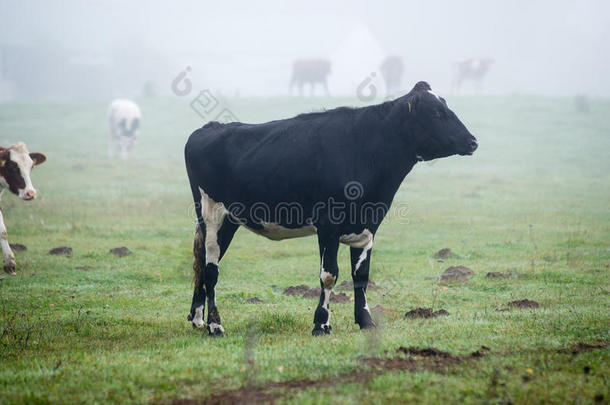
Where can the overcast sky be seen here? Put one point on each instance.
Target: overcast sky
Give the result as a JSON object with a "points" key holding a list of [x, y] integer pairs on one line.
{"points": [[540, 47]]}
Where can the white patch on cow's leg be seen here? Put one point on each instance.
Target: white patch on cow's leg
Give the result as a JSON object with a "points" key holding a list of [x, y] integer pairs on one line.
{"points": [[216, 329], [363, 255], [198, 318], [213, 214], [366, 304], [322, 316], [7, 252]]}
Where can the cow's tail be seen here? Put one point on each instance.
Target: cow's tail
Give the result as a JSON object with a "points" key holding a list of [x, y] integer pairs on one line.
{"points": [[198, 242]]}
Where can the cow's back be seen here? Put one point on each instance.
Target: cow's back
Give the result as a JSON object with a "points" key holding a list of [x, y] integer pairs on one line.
{"points": [[120, 109]]}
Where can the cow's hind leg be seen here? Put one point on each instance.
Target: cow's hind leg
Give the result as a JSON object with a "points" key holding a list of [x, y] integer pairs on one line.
{"points": [[329, 271], [215, 247], [361, 260], [198, 303]]}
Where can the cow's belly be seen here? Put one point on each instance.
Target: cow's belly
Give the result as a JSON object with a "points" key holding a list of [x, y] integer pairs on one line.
{"points": [[275, 231]]}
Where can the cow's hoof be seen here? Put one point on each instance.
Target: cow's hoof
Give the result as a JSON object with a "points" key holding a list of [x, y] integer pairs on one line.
{"points": [[10, 268], [321, 330], [368, 325], [197, 318], [216, 330]]}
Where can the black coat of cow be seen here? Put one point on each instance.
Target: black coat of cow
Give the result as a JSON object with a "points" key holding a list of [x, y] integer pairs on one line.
{"points": [[332, 173]]}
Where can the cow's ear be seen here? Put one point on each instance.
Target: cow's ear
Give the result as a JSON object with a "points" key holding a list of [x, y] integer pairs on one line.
{"points": [[412, 102], [38, 158], [4, 157]]}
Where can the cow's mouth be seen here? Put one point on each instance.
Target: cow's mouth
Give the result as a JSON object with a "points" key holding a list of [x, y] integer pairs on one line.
{"points": [[472, 146]]}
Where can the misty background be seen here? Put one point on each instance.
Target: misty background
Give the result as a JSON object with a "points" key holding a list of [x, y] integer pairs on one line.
{"points": [[75, 49]]}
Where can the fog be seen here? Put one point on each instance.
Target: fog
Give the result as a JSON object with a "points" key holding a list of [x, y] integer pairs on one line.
{"points": [[86, 49]]}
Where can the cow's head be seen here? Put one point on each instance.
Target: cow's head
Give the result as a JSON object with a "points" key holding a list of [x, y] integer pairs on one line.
{"points": [[15, 166], [435, 130]]}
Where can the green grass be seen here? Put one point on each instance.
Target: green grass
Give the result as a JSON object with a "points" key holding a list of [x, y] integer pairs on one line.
{"points": [[534, 200]]}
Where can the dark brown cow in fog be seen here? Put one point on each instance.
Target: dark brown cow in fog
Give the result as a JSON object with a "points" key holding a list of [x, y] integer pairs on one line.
{"points": [[312, 71], [473, 69]]}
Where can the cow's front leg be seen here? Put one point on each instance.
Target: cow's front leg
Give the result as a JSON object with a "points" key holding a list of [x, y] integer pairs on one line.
{"points": [[361, 260], [7, 253], [329, 271]]}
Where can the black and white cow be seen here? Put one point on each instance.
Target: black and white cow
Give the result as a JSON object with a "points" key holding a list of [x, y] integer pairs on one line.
{"points": [[124, 117], [15, 167], [332, 173], [474, 69]]}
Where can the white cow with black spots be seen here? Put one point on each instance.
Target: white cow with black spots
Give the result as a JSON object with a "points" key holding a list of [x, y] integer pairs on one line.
{"points": [[124, 117], [16, 164]]}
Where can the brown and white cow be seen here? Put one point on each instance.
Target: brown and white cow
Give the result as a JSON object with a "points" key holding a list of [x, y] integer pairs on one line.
{"points": [[15, 167]]}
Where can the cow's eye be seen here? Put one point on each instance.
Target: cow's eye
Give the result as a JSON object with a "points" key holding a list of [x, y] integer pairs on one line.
{"points": [[438, 113]]}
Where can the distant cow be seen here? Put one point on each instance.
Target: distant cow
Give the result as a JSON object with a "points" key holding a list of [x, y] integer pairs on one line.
{"points": [[392, 70], [124, 118], [473, 69], [312, 71], [15, 166], [332, 173]]}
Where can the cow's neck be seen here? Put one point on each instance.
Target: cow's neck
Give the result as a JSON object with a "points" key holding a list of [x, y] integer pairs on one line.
{"points": [[391, 154]]}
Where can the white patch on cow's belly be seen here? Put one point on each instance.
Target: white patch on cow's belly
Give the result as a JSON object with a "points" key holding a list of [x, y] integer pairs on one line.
{"points": [[357, 240], [275, 231]]}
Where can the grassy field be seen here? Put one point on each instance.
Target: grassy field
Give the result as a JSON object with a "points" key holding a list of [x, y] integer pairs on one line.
{"points": [[534, 202]]}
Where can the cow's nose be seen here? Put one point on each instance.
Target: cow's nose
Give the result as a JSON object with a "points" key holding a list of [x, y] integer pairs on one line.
{"points": [[473, 144], [29, 195]]}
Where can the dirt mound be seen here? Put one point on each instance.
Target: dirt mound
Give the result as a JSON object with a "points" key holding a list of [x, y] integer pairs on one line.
{"points": [[340, 298], [497, 274], [428, 358], [456, 273], [523, 304], [426, 352], [379, 309], [120, 251], [254, 300], [61, 250], [296, 290], [425, 313], [349, 285], [86, 268], [18, 247], [444, 253], [411, 359], [307, 292], [584, 347]]}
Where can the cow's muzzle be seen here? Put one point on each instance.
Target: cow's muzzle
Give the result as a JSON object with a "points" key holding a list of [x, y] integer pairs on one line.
{"points": [[472, 146], [28, 195]]}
